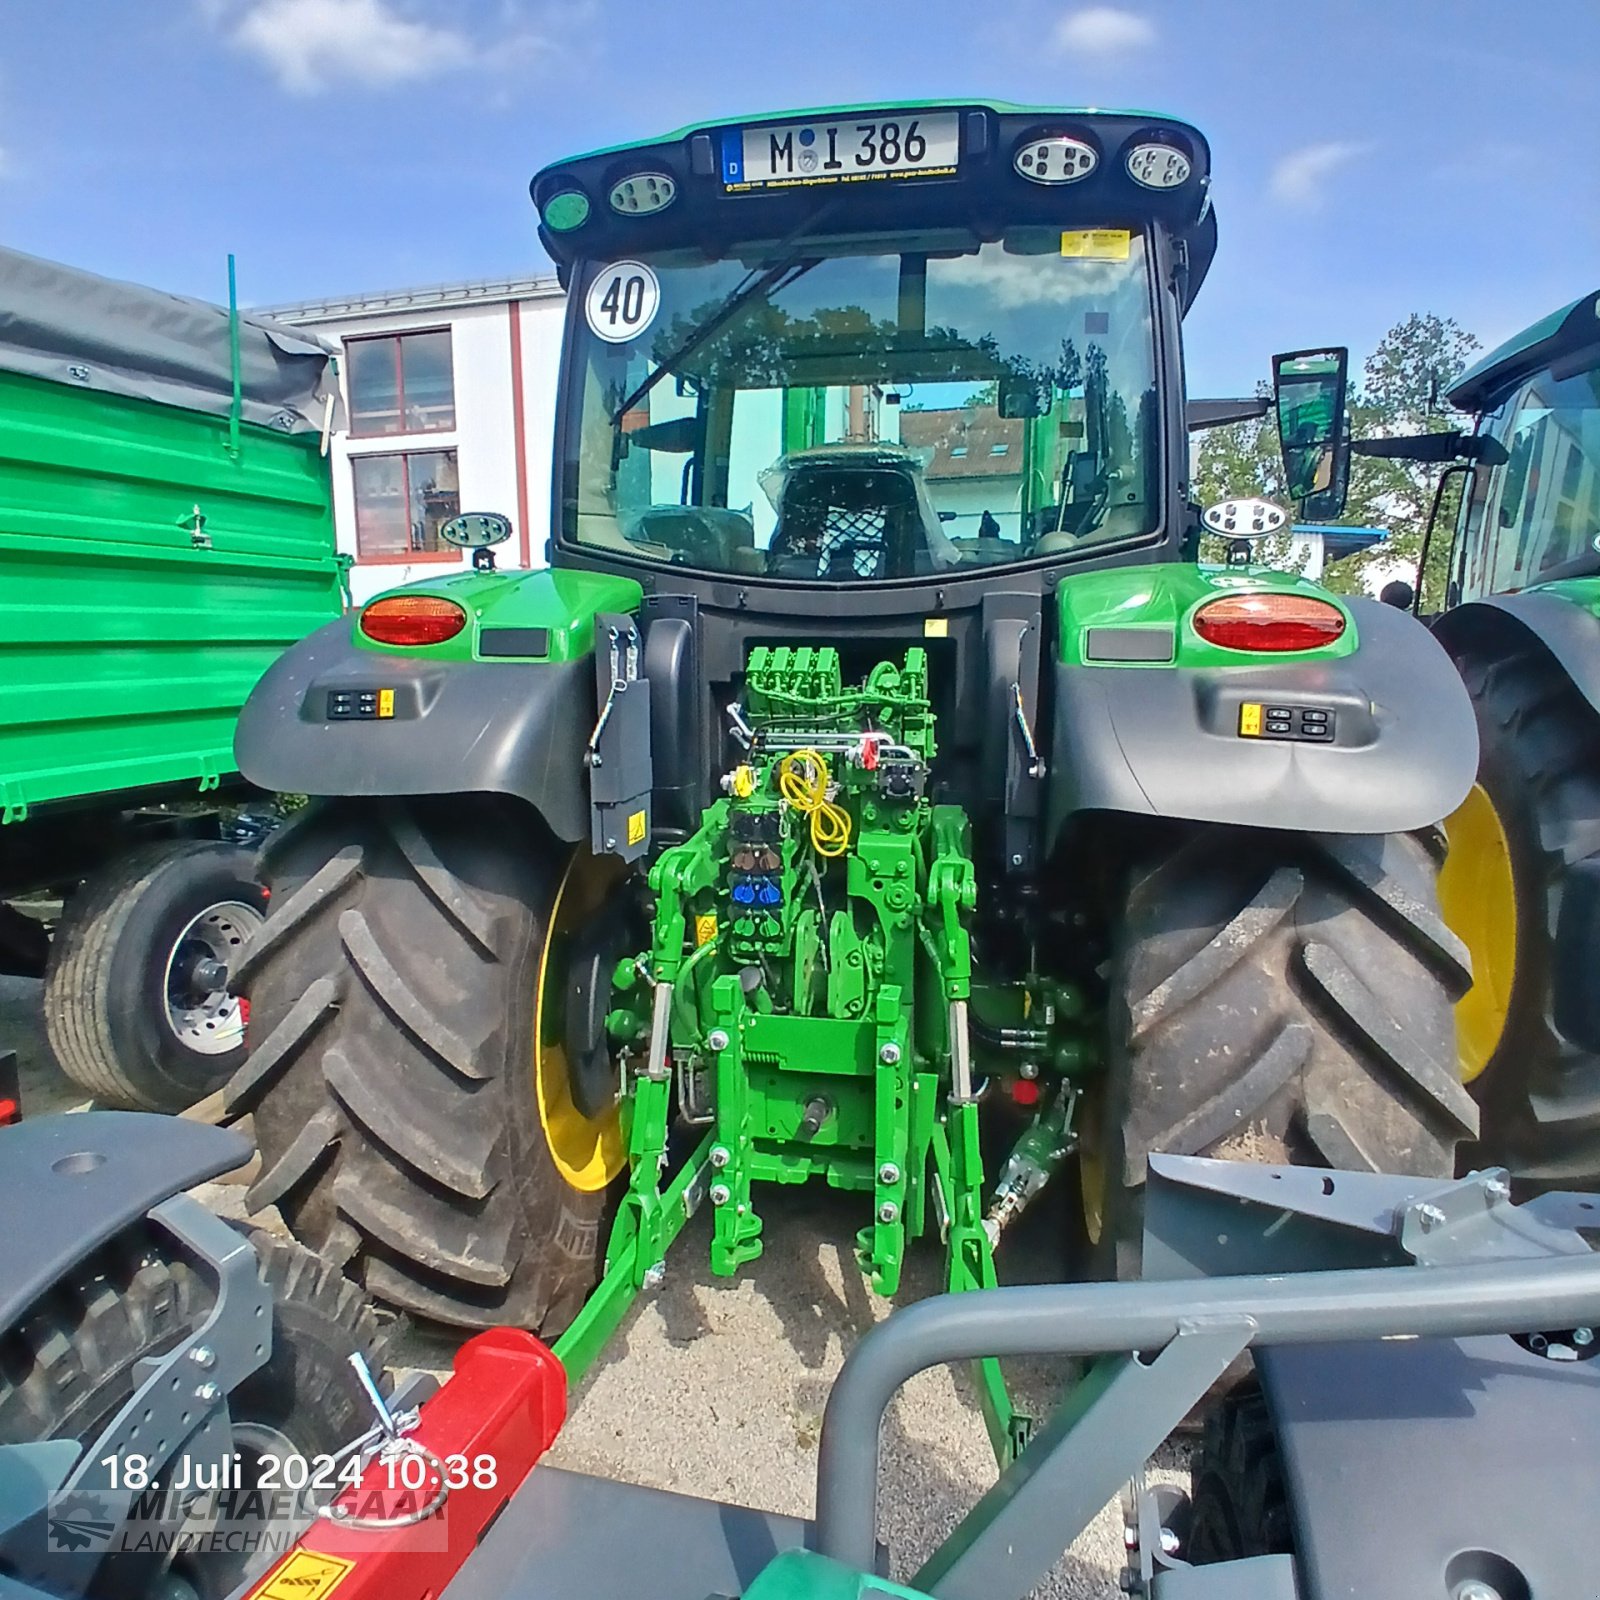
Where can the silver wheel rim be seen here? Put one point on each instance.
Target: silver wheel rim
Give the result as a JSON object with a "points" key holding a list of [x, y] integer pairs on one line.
{"points": [[209, 1022]]}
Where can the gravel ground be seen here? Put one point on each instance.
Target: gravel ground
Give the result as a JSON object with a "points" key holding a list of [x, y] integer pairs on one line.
{"points": [[716, 1387]]}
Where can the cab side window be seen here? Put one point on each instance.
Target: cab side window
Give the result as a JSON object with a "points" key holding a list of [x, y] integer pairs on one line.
{"points": [[1537, 515]]}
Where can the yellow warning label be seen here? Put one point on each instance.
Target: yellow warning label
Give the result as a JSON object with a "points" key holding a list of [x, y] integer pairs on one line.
{"points": [[1250, 720], [386, 702], [705, 929], [304, 1575], [936, 627], [636, 828], [1096, 244]]}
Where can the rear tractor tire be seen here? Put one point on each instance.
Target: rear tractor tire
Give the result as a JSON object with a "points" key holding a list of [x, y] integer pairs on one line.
{"points": [[1521, 885], [1279, 999], [413, 1129], [139, 1006]]}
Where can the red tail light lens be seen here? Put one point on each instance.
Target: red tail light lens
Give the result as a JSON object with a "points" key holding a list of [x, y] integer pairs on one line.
{"points": [[413, 619], [1269, 622]]}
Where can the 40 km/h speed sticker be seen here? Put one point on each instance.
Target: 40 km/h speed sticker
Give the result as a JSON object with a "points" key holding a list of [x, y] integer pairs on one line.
{"points": [[622, 301]]}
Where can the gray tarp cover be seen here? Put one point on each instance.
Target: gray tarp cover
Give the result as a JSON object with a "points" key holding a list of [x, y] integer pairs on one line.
{"points": [[75, 328]]}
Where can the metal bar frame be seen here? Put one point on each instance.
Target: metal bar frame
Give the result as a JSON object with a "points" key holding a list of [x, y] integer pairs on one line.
{"points": [[1515, 1296]]}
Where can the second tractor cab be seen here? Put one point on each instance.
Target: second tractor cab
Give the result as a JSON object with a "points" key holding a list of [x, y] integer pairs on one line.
{"points": [[1521, 618], [873, 761]]}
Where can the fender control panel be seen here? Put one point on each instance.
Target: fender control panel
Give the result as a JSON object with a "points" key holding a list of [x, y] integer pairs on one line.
{"points": [[1311, 724], [346, 705]]}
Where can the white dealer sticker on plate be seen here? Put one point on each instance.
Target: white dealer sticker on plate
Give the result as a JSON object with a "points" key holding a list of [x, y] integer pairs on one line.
{"points": [[887, 145], [622, 301]]}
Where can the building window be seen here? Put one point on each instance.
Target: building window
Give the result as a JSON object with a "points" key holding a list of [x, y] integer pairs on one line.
{"points": [[401, 383], [999, 449], [401, 501]]}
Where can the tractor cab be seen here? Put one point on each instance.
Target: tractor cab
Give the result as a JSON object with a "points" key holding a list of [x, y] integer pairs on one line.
{"points": [[887, 348]]}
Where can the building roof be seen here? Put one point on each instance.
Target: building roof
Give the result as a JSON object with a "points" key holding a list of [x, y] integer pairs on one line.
{"points": [[430, 297], [975, 443]]}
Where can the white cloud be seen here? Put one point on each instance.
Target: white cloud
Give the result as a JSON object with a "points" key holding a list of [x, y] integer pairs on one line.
{"points": [[1299, 179], [311, 45], [1103, 31]]}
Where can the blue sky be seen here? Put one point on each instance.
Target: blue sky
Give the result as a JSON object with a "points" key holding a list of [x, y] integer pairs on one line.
{"points": [[1372, 157]]}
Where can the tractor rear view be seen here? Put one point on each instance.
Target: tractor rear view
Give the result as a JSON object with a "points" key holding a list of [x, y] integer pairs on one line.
{"points": [[873, 764]]}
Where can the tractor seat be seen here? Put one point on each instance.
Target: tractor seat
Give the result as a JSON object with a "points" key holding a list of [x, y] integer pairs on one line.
{"points": [[837, 523]]}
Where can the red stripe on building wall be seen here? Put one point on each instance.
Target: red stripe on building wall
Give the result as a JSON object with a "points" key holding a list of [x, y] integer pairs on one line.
{"points": [[519, 435]]}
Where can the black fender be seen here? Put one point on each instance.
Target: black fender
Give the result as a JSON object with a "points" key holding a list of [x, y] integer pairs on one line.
{"points": [[1165, 742], [459, 727], [72, 1182], [1568, 632], [1413, 1466]]}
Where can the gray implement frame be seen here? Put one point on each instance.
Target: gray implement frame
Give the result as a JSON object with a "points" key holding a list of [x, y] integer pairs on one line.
{"points": [[1539, 1276], [81, 1179]]}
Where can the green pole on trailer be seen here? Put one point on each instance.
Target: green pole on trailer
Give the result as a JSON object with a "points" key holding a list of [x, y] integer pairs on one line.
{"points": [[233, 357]]}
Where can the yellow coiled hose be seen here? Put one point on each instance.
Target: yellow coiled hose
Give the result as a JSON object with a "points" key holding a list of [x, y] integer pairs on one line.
{"points": [[803, 782]]}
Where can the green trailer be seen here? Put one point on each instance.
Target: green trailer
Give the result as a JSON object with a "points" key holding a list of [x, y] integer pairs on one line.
{"points": [[166, 530]]}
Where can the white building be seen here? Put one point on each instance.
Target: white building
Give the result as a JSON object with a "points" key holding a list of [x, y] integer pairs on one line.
{"points": [[450, 405]]}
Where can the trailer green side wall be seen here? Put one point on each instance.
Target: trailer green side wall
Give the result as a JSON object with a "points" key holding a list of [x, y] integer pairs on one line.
{"points": [[149, 574]]}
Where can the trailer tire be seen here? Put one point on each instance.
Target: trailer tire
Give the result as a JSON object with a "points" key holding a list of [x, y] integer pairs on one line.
{"points": [[69, 1363], [1239, 1502], [1279, 998], [119, 1012], [1522, 887], [407, 1121]]}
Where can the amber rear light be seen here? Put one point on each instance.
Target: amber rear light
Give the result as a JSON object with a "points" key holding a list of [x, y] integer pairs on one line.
{"points": [[1269, 622], [413, 619]]}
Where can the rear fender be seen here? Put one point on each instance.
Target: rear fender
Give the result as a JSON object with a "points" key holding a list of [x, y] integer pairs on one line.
{"points": [[506, 707], [1149, 720], [1563, 617]]}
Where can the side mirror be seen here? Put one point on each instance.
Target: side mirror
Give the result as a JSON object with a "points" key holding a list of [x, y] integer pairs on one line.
{"points": [[1309, 389], [476, 530]]}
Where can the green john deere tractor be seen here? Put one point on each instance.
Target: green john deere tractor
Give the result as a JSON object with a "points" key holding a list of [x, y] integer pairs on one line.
{"points": [[1522, 620], [874, 788]]}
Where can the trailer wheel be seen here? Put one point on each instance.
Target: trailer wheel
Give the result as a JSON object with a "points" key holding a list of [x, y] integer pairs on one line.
{"points": [[69, 1365], [1278, 998], [138, 1006], [1524, 863], [407, 1078], [1239, 1503]]}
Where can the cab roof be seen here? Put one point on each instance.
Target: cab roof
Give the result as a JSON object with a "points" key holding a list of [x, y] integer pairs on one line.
{"points": [[985, 193], [1574, 327]]}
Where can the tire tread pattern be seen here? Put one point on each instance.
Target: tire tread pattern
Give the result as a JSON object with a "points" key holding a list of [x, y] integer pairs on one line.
{"points": [[1286, 998], [394, 1106], [1541, 741]]}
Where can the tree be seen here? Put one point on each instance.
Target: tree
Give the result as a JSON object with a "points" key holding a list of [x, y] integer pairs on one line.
{"points": [[1397, 394]]}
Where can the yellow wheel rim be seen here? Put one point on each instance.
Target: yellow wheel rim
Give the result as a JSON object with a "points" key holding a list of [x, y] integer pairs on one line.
{"points": [[588, 1152], [1478, 898]]}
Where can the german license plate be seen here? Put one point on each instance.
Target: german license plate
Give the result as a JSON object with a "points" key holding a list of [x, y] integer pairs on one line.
{"points": [[898, 145]]}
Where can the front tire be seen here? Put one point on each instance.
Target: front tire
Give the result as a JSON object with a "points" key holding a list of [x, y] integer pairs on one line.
{"points": [[1282, 999], [411, 1129]]}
